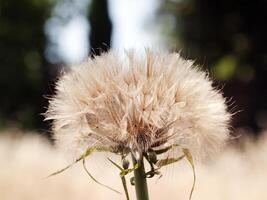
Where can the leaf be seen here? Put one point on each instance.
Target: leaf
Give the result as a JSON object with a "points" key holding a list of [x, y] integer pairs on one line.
{"points": [[189, 157], [168, 161], [94, 149], [164, 150], [61, 170], [91, 176]]}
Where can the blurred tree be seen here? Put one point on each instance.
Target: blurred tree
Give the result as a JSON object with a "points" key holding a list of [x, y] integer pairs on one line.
{"points": [[230, 38], [23, 75], [101, 26]]}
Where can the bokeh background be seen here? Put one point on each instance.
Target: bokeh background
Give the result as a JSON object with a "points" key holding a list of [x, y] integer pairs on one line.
{"points": [[41, 38]]}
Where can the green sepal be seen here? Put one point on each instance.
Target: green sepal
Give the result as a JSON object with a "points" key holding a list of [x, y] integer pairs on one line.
{"points": [[127, 171], [123, 173], [123, 180], [85, 154], [189, 157], [132, 181], [164, 150], [91, 176], [152, 171], [88, 152], [61, 170]]}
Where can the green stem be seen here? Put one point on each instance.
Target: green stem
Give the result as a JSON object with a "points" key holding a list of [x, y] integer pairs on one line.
{"points": [[140, 180]]}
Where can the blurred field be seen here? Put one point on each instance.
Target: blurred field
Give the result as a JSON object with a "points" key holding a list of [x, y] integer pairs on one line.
{"points": [[26, 159]]}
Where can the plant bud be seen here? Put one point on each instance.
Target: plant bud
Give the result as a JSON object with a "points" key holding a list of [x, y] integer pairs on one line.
{"points": [[125, 163], [152, 156]]}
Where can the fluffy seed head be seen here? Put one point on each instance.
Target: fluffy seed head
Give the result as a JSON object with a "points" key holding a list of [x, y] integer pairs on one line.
{"points": [[138, 103]]}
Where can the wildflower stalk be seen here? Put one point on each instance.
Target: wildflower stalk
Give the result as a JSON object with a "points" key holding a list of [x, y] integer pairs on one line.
{"points": [[140, 180], [146, 103]]}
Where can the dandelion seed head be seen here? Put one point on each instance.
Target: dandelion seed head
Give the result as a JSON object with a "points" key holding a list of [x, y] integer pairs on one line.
{"points": [[137, 103]]}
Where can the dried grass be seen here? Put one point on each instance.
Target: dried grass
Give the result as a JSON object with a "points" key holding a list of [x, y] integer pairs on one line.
{"points": [[26, 159]]}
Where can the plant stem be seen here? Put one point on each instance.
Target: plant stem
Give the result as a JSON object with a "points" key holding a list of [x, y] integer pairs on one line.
{"points": [[140, 180]]}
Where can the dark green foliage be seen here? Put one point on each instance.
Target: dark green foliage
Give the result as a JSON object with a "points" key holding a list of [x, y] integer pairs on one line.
{"points": [[22, 71], [25, 76], [101, 26], [230, 38]]}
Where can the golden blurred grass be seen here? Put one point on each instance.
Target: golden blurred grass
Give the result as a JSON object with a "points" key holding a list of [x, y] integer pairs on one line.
{"points": [[25, 159]]}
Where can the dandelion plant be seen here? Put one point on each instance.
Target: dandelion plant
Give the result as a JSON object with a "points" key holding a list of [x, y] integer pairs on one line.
{"points": [[156, 109]]}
